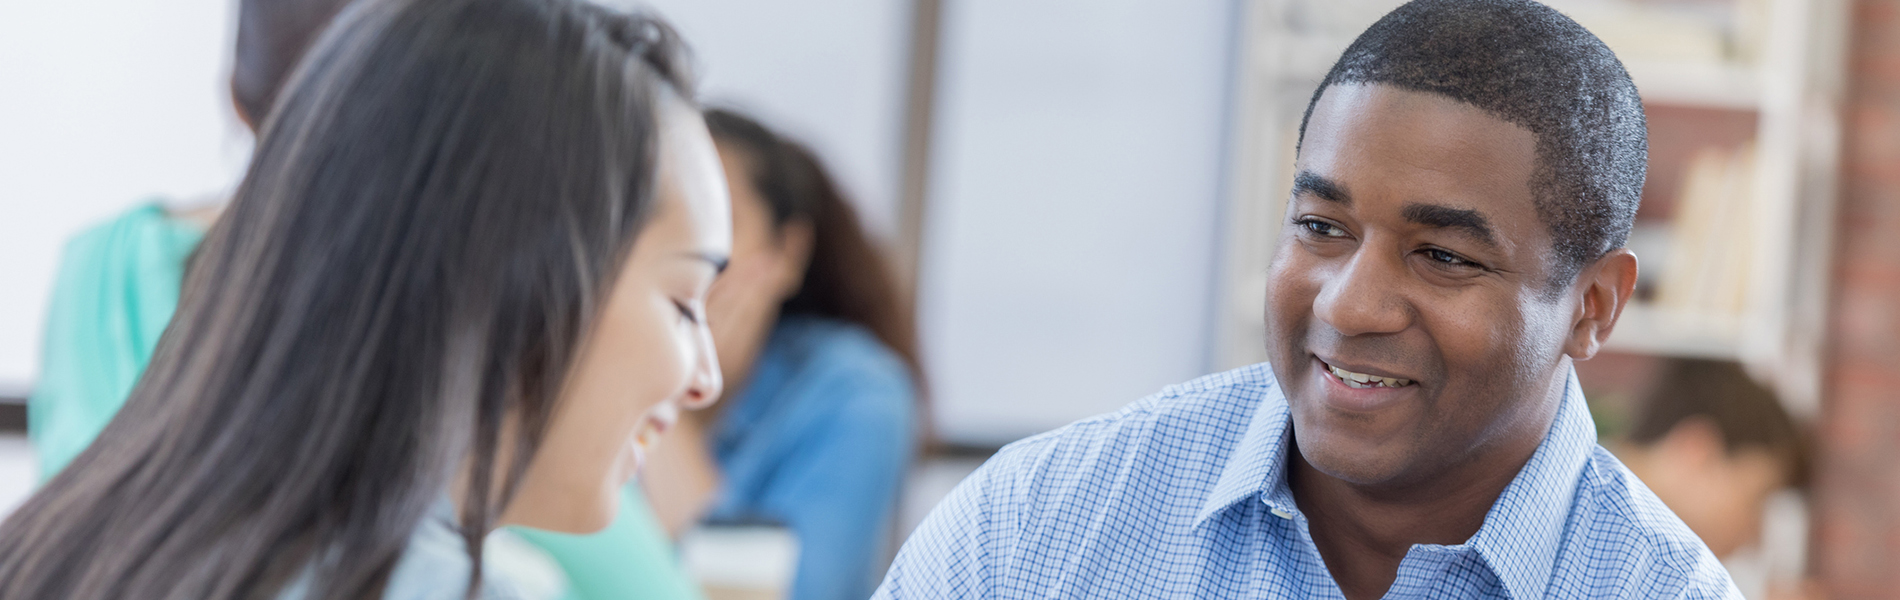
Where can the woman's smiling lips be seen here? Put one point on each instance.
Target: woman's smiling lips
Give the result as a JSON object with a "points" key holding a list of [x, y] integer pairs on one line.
{"points": [[1360, 389], [647, 437]]}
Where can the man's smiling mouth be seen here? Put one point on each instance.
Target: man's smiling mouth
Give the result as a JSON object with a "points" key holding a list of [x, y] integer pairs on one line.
{"points": [[1362, 380]]}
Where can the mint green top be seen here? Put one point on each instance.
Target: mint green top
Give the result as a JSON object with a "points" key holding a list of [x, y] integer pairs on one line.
{"points": [[631, 555], [117, 288]]}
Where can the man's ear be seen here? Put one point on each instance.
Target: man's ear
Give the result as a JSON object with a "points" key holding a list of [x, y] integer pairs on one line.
{"points": [[1606, 285]]}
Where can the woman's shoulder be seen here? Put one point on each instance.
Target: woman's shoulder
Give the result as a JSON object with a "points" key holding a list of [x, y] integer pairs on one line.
{"points": [[141, 242], [145, 222], [818, 347], [435, 566], [818, 372]]}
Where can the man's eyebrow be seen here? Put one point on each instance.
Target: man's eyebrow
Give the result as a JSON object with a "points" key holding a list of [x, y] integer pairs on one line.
{"points": [[718, 261], [1471, 222], [1326, 189]]}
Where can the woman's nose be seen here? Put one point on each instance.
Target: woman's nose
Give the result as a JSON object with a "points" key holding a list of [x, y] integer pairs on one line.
{"points": [[707, 383]]}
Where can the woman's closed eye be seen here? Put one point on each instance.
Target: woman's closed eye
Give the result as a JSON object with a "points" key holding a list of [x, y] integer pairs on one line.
{"points": [[687, 311]]}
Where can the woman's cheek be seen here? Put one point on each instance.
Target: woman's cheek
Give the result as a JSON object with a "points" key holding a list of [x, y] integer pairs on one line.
{"points": [[669, 366]]}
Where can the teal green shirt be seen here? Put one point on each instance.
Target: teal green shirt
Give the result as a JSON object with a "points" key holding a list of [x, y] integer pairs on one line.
{"points": [[117, 288]]}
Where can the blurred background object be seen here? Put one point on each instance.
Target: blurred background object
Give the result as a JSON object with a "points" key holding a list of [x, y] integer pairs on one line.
{"points": [[1721, 451], [1080, 201], [106, 104]]}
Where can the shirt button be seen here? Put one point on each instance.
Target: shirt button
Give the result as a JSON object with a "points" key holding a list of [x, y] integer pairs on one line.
{"points": [[1282, 513]]}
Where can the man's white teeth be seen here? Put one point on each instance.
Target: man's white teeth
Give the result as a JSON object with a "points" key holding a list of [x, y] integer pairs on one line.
{"points": [[1362, 380]]}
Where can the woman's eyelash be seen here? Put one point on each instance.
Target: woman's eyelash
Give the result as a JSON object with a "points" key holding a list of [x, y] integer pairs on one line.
{"points": [[687, 312]]}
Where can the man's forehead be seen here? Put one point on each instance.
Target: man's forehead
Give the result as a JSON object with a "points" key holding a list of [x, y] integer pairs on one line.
{"points": [[1364, 136], [1422, 159], [1368, 112]]}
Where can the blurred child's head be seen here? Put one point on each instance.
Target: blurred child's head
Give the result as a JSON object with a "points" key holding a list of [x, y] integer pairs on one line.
{"points": [[1714, 445], [272, 36]]}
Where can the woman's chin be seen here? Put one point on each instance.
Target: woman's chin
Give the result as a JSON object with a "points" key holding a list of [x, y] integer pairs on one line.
{"points": [[579, 513], [632, 460]]}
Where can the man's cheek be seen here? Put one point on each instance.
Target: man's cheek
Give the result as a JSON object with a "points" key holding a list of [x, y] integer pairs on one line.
{"points": [[1287, 320]]}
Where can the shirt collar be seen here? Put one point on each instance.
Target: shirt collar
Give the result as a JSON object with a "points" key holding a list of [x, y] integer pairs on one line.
{"points": [[1257, 466], [1522, 532]]}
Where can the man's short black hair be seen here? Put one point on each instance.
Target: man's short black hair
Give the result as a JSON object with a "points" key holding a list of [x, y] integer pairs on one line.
{"points": [[1534, 67]]}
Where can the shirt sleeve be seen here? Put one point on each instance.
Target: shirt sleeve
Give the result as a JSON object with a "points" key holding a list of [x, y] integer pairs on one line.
{"points": [[950, 554]]}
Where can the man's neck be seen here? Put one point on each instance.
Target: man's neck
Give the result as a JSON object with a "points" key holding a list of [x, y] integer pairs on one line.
{"points": [[1363, 532]]}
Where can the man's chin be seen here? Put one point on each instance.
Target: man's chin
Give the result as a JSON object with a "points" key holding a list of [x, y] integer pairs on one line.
{"points": [[1354, 451], [1357, 466]]}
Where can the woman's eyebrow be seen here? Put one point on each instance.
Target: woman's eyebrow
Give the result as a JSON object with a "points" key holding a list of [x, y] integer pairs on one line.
{"points": [[717, 260]]}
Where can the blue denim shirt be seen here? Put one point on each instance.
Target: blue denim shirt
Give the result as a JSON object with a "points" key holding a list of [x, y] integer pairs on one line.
{"points": [[819, 441], [1184, 495]]}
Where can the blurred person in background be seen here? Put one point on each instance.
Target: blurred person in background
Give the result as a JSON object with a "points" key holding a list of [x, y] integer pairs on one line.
{"points": [[821, 420], [460, 286], [1715, 446], [118, 282], [119, 285]]}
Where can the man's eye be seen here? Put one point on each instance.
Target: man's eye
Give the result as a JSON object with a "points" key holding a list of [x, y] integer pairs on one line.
{"points": [[1322, 228], [1448, 258]]}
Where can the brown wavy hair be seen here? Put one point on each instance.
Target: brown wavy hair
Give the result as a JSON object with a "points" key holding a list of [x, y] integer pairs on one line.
{"points": [[847, 278]]}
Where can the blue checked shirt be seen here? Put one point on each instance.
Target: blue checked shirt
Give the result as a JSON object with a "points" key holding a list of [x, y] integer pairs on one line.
{"points": [[1184, 495]]}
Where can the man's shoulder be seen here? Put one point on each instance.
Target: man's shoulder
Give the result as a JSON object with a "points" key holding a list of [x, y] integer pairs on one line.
{"points": [[1208, 410], [1182, 434], [1620, 525]]}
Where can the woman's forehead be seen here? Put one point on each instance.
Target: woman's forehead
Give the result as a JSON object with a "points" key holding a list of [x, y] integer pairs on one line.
{"points": [[692, 180]]}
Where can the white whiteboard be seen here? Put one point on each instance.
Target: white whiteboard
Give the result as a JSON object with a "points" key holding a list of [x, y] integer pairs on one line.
{"points": [[103, 103], [1070, 239], [829, 73]]}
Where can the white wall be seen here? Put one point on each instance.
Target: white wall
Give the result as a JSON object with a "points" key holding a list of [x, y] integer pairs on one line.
{"points": [[1070, 238], [102, 103], [1070, 245], [827, 72]]}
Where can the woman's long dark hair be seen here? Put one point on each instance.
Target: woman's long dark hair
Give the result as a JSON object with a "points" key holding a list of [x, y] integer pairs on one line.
{"points": [[436, 208], [847, 278]]}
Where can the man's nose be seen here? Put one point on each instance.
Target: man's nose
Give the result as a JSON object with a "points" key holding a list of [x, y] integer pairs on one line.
{"points": [[1364, 297]]}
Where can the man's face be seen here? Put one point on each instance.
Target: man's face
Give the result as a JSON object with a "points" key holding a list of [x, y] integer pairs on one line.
{"points": [[1412, 253]]}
